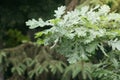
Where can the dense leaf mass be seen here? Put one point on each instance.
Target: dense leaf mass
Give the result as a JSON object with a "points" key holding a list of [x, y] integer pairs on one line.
{"points": [[82, 34]]}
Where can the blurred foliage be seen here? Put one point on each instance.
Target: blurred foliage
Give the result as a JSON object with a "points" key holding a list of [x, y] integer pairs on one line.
{"points": [[14, 37], [114, 4], [14, 13], [32, 62]]}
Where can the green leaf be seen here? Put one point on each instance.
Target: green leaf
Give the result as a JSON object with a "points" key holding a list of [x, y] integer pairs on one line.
{"points": [[40, 41], [55, 21], [115, 63], [102, 49], [60, 11], [31, 73], [91, 47], [115, 44], [34, 23], [76, 71], [38, 34]]}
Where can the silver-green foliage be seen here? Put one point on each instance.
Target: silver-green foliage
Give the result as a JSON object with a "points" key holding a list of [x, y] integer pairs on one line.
{"points": [[78, 34]]}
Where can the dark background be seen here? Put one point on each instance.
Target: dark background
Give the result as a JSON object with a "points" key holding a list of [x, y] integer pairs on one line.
{"points": [[14, 14]]}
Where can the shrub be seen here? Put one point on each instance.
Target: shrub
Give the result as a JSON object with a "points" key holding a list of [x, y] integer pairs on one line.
{"points": [[88, 37]]}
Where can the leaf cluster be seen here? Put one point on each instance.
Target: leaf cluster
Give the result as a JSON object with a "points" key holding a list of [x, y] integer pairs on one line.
{"points": [[85, 35]]}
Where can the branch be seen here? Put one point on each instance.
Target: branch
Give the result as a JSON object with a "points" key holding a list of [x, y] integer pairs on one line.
{"points": [[71, 6]]}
